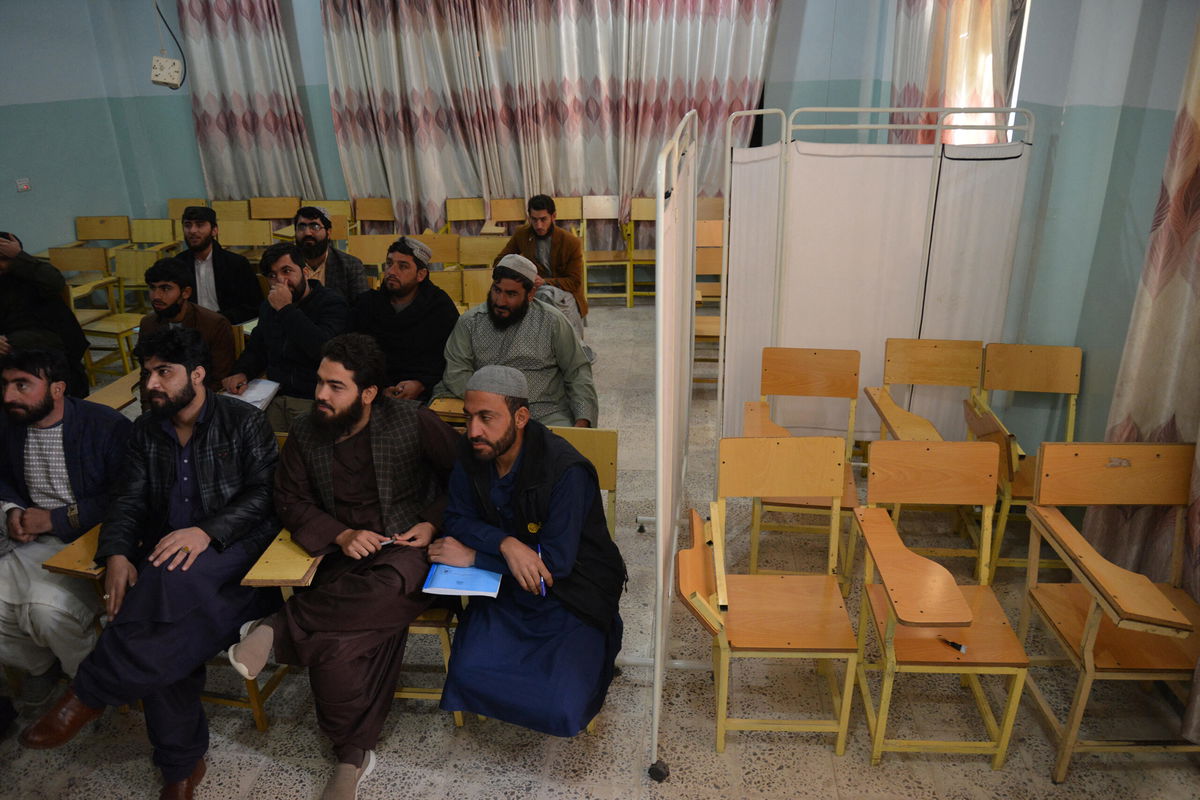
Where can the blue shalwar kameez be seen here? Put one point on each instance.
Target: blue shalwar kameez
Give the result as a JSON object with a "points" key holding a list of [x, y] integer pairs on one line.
{"points": [[523, 658]]}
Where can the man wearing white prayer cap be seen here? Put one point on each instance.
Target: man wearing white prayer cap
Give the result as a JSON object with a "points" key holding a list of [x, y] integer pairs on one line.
{"points": [[524, 503], [515, 329]]}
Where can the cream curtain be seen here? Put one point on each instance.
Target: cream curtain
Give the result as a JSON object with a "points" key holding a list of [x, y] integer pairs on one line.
{"points": [[249, 124]]}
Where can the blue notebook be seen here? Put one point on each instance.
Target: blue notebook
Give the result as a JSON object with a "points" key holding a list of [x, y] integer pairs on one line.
{"points": [[469, 581]]}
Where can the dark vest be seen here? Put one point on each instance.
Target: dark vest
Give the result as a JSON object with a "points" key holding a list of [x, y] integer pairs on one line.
{"points": [[405, 482], [593, 589]]}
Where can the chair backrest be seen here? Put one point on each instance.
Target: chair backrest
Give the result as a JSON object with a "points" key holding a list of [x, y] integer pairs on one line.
{"points": [[370, 248], [443, 245], [476, 285], [176, 205], [597, 445], [642, 209], [79, 259], [1110, 473], [802, 466], [695, 576], [245, 233], [708, 261], [596, 206], [450, 282], [809, 372], [932, 362], [273, 207], [151, 231], [97, 229], [480, 250], [710, 233], [464, 209], [374, 209], [1035, 368], [230, 210], [937, 473], [130, 265], [568, 209], [333, 208], [507, 209], [710, 208], [985, 426]]}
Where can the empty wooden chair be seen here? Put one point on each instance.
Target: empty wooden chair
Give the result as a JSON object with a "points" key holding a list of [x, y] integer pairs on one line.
{"points": [[90, 275], [370, 248], [279, 211], [377, 210], [231, 210], [118, 394], [462, 213], [766, 616], [925, 623], [504, 213], [568, 213], [922, 362], [959, 474], [599, 446], [1111, 624], [604, 209], [250, 237], [1034, 368], [149, 240], [807, 372], [642, 210]]}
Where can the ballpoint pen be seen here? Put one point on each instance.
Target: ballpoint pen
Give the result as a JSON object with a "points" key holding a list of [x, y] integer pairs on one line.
{"points": [[541, 581]]}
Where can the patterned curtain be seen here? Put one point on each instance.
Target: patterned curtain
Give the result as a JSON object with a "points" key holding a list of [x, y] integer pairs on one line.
{"points": [[951, 53], [1157, 396], [249, 126], [505, 98]]}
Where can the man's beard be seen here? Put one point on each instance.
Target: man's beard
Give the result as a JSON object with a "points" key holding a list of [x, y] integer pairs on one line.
{"points": [[340, 423], [313, 248], [513, 318], [171, 405], [204, 243], [29, 415], [169, 313], [499, 447]]}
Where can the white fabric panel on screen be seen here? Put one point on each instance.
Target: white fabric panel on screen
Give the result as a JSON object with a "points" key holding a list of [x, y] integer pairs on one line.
{"points": [[753, 234], [852, 268], [978, 210]]}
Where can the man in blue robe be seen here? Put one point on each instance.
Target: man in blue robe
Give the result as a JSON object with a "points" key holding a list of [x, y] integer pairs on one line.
{"points": [[523, 502]]}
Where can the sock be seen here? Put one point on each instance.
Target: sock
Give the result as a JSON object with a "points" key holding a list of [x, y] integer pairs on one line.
{"points": [[253, 651]]}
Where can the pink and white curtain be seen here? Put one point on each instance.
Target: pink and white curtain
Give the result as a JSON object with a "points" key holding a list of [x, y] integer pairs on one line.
{"points": [[249, 123], [506, 98], [952, 53], [1157, 396]]}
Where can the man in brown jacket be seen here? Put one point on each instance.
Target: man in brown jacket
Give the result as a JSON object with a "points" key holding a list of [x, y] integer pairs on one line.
{"points": [[172, 287], [557, 253]]}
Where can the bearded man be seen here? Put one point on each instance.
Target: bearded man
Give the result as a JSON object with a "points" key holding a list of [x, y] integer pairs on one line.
{"points": [[61, 457], [190, 514], [172, 290], [362, 479], [324, 263], [295, 321], [224, 280], [411, 319], [515, 329]]}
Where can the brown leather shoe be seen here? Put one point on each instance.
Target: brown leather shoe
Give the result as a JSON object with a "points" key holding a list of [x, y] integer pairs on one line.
{"points": [[185, 789], [60, 724]]}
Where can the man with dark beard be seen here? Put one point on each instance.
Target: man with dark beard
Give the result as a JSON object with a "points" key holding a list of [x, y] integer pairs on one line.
{"points": [[295, 321], [171, 291], [515, 329], [324, 263], [191, 514], [59, 459], [556, 252], [524, 503], [224, 280], [362, 479], [411, 319]]}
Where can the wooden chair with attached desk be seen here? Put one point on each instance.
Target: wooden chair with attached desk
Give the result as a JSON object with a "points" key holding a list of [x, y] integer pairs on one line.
{"points": [[599, 446], [643, 211], [922, 362], [149, 240], [1111, 624], [923, 621], [604, 209], [375, 210], [813, 373], [766, 616]]}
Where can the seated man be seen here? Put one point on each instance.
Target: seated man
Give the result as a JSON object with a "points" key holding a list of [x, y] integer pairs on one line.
{"points": [[323, 263], [224, 280], [515, 329], [411, 319], [295, 321], [359, 472], [171, 292], [190, 515], [59, 459], [557, 253], [34, 314], [526, 504]]}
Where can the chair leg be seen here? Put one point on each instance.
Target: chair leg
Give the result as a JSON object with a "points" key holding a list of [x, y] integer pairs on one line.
{"points": [[1015, 686], [256, 704], [998, 533], [839, 747], [885, 701], [756, 512], [629, 284], [1070, 729], [721, 681], [444, 640]]}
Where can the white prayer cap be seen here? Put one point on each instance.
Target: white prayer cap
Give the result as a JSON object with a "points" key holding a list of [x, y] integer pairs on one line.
{"points": [[520, 265], [420, 251], [499, 379]]}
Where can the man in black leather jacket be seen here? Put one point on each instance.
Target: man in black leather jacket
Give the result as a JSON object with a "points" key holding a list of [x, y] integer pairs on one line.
{"points": [[191, 513]]}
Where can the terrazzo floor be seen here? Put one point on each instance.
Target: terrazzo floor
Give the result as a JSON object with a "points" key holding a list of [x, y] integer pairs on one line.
{"points": [[422, 754]]}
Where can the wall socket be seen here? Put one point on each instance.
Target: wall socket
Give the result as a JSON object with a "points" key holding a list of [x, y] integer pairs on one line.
{"points": [[23, 185], [166, 71]]}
